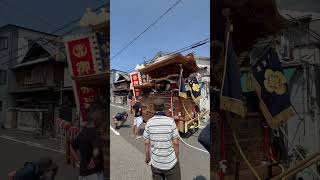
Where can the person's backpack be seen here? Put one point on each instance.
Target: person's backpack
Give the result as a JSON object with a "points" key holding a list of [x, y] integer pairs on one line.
{"points": [[28, 172]]}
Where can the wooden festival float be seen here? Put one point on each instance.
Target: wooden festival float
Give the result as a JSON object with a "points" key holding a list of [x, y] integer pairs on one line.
{"points": [[235, 137], [162, 79], [88, 61]]}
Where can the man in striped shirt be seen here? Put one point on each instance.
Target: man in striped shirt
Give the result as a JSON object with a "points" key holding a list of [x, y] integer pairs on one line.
{"points": [[161, 141]]}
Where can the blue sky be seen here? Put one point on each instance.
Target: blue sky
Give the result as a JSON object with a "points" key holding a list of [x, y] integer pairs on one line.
{"points": [[187, 23], [32, 13]]}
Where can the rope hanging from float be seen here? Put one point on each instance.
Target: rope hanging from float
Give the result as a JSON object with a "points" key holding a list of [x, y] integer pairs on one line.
{"points": [[244, 157], [185, 109]]}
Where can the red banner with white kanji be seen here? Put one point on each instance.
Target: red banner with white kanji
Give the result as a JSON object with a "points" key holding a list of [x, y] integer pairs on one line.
{"points": [[135, 80], [82, 60], [86, 96]]}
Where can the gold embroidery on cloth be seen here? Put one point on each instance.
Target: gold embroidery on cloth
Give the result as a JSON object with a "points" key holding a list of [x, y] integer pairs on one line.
{"points": [[79, 50], [83, 67], [275, 82]]}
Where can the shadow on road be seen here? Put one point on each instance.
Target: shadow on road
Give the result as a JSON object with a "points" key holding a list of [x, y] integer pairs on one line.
{"points": [[126, 126], [200, 178]]}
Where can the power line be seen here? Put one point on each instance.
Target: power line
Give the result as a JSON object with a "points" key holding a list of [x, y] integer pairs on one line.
{"points": [[195, 45], [307, 30], [4, 16], [139, 35], [5, 3], [192, 46], [43, 37]]}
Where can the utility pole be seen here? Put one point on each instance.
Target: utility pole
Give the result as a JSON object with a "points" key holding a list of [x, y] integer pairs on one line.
{"points": [[61, 93]]}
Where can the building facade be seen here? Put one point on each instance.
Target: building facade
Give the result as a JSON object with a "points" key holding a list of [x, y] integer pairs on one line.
{"points": [[303, 43], [120, 86], [32, 78], [203, 75]]}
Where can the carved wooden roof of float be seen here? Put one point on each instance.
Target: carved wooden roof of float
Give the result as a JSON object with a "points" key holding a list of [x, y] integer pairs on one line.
{"points": [[169, 64], [145, 86]]}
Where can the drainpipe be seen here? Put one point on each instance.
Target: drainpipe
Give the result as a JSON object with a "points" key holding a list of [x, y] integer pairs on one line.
{"points": [[303, 99], [317, 128], [61, 93]]}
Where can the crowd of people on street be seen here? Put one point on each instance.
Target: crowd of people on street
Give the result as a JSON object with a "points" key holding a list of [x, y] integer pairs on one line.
{"points": [[161, 138]]}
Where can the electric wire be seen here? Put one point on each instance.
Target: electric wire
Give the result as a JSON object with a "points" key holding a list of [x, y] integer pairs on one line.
{"points": [[187, 48], [144, 31], [20, 10], [44, 37]]}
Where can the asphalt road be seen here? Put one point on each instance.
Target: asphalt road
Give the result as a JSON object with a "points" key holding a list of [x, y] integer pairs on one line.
{"points": [[127, 155], [194, 163], [16, 148]]}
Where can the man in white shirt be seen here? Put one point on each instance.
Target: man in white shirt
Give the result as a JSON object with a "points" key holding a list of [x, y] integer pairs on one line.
{"points": [[161, 138]]}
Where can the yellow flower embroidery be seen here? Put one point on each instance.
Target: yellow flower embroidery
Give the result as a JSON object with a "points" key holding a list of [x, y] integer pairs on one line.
{"points": [[275, 82], [195, 87]]}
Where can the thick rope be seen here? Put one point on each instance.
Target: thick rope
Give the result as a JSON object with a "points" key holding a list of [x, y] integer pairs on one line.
{"points": [[185, 109], [245, 158]]}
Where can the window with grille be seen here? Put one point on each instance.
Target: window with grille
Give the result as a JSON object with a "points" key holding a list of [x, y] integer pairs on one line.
{"points": [[3, 77], [3, 43]]}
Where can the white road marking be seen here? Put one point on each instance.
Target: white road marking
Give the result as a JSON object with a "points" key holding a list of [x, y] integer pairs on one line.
{"points": [[30, 144], [116, 132]]}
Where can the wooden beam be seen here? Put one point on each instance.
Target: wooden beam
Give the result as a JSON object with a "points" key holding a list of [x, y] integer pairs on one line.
{"points": [[299, 166]]}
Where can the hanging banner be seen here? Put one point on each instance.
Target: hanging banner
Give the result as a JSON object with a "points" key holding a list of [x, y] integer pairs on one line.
{"points": [[83, 60], [271, 86], [195, 90], [80, 56], [231, 92], [86, 96], [135, 80]]}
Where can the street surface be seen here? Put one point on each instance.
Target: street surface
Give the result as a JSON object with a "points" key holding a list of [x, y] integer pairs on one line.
{"points": [[17, 147], [127, 154]]}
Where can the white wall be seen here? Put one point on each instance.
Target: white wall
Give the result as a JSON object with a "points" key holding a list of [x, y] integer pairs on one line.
{"points": [[308, 132], [310, 54]]}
